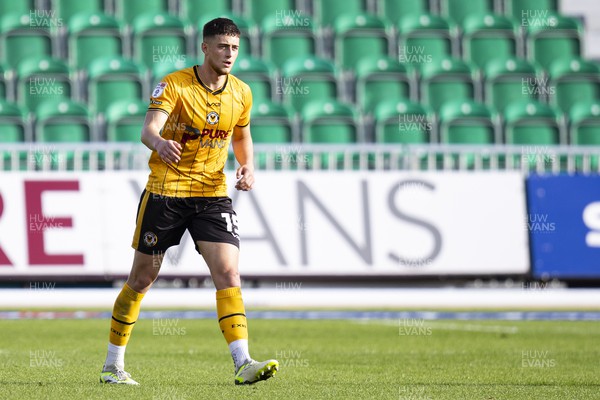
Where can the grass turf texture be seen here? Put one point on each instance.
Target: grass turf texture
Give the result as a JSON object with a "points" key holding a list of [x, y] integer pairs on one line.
{"points": [[406, 360]]}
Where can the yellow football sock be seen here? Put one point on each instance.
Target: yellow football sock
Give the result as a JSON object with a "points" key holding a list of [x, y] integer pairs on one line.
{"points": [[125, 312], [231, 314]]}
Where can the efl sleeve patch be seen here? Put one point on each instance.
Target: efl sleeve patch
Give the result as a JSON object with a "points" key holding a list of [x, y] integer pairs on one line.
{"points": [[159, 89]]}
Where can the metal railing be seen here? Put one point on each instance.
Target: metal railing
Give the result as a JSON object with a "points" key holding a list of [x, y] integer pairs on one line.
{"points": [[302, 156]]}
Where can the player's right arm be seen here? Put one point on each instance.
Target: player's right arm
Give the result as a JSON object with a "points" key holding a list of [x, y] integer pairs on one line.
{"points": [[168, 150]]}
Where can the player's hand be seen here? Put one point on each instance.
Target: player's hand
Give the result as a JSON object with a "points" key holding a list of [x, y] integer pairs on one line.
{"points": [[168, 150], [245, 178]]}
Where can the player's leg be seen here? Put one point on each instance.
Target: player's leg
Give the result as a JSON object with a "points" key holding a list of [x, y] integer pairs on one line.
{"points": [[125, 313], [222, 260]]}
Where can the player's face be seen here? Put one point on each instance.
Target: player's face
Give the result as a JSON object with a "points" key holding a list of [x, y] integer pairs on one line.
{"points": [[220, 52]]}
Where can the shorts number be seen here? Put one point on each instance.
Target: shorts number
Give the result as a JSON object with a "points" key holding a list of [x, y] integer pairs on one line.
{"points": [[232, 223]]}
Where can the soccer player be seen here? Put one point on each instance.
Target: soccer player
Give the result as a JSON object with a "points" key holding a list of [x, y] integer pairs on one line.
{"points": [[194, 114]]}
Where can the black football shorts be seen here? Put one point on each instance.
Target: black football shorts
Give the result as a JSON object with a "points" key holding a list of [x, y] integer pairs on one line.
{"points": [[162, 221]]}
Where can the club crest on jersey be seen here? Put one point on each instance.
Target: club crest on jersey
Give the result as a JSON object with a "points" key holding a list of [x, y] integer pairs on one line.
{"points": [[212, 118], [150, 239], [159, 89]]}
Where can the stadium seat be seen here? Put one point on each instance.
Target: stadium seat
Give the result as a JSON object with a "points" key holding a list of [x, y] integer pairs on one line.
{"points": [[112, 78], [159, 39], [22, 36], [487, 37], [425, 38], [271, 123], [249, 33], [531, 123], [326, 11], [258, 74], [510, 80], [446, 80], [258, 10], [529, 10], [88, 32], [459, 10], [195, 10], [124, 120], [305, 79], [573, 80], [19, 7], [40, 79], [359, 36], [584, 130], [402, 121], [382, 78], [393, 10], [329, 121], [286, 37], [66, 9], [62, 121], [553, 38], [128, 10], [13, 126]]}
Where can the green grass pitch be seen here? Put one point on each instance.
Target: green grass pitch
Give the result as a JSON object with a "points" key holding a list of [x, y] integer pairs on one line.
{"points": [[320, 359]]}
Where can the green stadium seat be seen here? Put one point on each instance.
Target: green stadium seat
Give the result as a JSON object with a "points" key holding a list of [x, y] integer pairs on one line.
{"points": [[530, 10], [425, 38], [382, 78], [326, 11], [257, 74], [271, 123], [88, 32], [402, 121], [249, 33], [487, 37], [359, 36], [573, 80], [62, 121], [112, 78], [446, 80], [584, 130], [258, 10], [13, 126], [40, 79], [466, 122], [511, 80], [19, 7], [553, 38], [459, 10], [66, 9], [159, 39], [196, 10], [128, 10], [393, 10], [22, 36], [305, 79], [287, 37], [124, 120]]}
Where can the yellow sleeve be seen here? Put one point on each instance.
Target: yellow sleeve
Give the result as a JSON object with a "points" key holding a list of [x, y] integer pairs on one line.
{"points": [[164, 96], [247, 105]]}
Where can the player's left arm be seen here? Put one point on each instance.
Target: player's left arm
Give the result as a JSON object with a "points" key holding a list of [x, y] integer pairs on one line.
{"points": [[243, 150]]}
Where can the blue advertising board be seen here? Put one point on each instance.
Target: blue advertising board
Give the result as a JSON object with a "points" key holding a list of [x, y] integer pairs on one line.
{"points": [[563, 220]]}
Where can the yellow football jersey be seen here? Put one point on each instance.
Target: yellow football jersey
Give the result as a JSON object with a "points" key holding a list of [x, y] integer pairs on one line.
{"points": [[202, 121]]}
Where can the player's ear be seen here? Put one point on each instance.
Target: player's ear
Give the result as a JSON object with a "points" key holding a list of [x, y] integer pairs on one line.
{"points": [[204, 47]]}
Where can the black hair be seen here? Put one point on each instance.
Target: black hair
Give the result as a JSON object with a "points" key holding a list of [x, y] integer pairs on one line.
{"points": [[220, 26]]}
